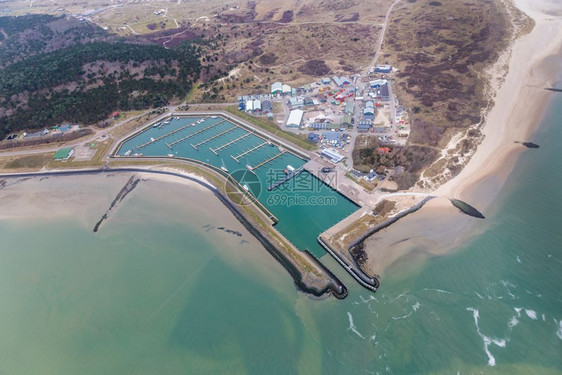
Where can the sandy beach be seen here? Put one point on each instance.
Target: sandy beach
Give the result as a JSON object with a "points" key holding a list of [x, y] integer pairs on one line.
{"points": [[520, 103]]}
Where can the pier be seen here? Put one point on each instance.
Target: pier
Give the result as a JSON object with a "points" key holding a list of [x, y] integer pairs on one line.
{"points": [[214, 137], [165, 135], [249, 151], [229, 143], [269, 160], [170, 145], [285, 179]]}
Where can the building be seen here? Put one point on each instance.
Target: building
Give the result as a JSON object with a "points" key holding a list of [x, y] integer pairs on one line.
{"points": [[250, 106], [64, 154], [313, 137], [383, 150], [383, 69], [369, 111], [331, 137], [332, 155], [286, 89], [363, 127], [326, 80], [257, 105], [266, 107], [276, 88], [295, 118], [376, 84], [341, 81], [349, 108], [372, 176], [296, 102], [385, 95], [347, 120]]}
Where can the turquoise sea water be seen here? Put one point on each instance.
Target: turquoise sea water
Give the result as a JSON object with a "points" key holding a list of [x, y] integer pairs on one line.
{"points": [[319, 206], [155, 291]]}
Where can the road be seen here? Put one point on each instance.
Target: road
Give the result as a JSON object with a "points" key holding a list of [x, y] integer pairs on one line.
{"points": [[100, 132], [381, 39], [361, 82]]}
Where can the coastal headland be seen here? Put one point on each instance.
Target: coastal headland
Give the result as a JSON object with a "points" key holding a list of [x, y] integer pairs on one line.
{"points": [[363, 240]]}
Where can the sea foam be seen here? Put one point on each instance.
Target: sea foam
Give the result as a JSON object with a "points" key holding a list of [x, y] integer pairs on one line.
{"points": [[487, 340], [352, 327]]}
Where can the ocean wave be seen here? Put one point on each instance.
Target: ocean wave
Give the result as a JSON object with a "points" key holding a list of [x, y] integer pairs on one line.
{"points": [[531, 314], [487, 340], [352, 327], [518, 259], [559, 332], [416, 306], [438, 290]]}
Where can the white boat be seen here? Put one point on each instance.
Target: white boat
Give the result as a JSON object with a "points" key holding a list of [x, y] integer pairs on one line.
{"points": [[224, 168], [156, 125], [128, 152], [151, 139], [170, 155], [249, 167], [246, 187]]}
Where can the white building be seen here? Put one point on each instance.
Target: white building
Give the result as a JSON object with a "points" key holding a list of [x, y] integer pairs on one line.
{"points": [[286, 89], [257, 105], [332, 155], [276, 88], [250, 105], [295, 118]]}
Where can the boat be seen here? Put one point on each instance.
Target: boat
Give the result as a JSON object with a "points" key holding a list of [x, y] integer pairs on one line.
{"points": [[249, 167], [156, 125], [170, 155], [224, 168], [151, 139], [128, 152], [246, 187]]}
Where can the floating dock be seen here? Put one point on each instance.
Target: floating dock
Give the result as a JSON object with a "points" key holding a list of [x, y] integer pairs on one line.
{"points": [[249, 151], [269, 160], [170, 145], [214, 137], [165, 135], [285, 179], [229, 143]]}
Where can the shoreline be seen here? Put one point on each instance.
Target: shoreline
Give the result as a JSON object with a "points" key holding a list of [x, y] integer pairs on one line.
{"points": [[302, 280], [514, 117], [520, 104]]}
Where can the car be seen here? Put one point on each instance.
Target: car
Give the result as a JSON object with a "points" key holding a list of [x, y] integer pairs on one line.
{"points": [[326, 170]]}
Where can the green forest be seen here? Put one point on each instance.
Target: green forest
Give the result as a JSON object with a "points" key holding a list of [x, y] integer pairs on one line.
{"points": [[85, 82]]}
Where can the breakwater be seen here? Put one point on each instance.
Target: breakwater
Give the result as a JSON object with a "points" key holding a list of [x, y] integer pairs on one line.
{"points": [[129, 186], [466, 208], [390, 221], [333, 286], [371, 283]]}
